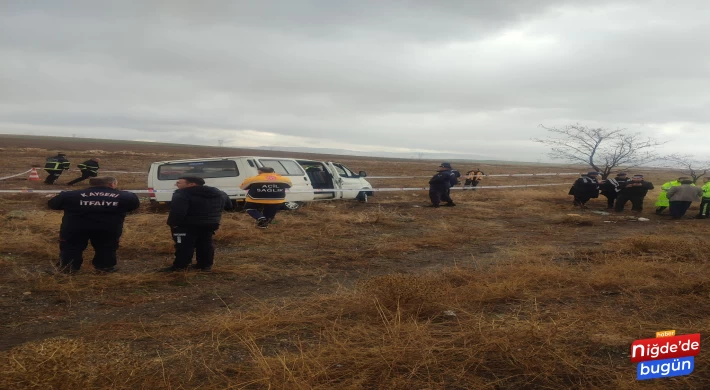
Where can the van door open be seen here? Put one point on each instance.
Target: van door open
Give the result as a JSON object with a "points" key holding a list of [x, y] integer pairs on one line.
{"points": [[301, 190], [346, 180]]}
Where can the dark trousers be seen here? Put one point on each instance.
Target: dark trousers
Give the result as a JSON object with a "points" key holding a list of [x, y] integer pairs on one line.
{"points": [[704, 208], [678, 209], [470, 184], [636, 202], [53, 176], [194, 240], [72, 244], [610, 198], [581, 200], [438, 194], [660, 209], [259, 210], [83, 177]]}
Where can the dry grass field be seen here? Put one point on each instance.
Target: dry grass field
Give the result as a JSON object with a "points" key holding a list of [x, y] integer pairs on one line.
{"points": [[505, 291]]}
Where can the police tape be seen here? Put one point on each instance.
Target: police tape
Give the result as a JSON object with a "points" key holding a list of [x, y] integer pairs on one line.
{"points": [[496, 175], [234, 191], [15, 175]]}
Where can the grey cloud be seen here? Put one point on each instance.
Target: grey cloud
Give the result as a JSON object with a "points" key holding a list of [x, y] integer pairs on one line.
{"points": [[416, 74]]}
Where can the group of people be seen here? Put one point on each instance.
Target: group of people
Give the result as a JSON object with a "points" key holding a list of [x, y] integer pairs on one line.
{"points": [[97, 215], [445, 178], [676, 195], [56, 165]]}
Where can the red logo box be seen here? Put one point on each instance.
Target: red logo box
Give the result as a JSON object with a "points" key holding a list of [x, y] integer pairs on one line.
{"points": [[665, 348]]}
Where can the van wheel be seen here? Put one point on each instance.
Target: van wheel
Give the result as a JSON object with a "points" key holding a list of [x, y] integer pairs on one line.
{"points": [[362, 197], [291, 206]]}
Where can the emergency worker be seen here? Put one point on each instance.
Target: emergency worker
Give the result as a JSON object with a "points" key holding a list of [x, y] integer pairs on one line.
{"points": [[89, 168], [95, 214], [440, 185], [54, 166], [266, 194], [662, 202]]}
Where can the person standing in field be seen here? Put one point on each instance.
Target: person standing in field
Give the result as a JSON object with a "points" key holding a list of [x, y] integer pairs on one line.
{"points": [[89, 168], [54, 166], [266, 194], [473, 178], [611, 187], [634, 191], [584, 189], [440, 185], [682, 196], [195, 215], [662, 201], [95, 214], [704, 212]]}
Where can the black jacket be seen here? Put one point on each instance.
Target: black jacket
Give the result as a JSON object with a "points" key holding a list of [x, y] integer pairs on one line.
{"points": [[198, 206], [585, 186], [442, 180], [89, 167], [612, 186], [630, 189], [95, 208], [56, 164]]}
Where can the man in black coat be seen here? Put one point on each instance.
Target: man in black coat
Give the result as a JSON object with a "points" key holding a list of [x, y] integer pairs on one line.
{"points": [[55, 166], [585, 188], [440, 185], [95, 214], [635, 191], [611, 187], [195, 215], [89, 168]]}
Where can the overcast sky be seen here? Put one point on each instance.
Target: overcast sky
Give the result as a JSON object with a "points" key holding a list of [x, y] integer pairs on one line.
{"points": [[464, 76]]}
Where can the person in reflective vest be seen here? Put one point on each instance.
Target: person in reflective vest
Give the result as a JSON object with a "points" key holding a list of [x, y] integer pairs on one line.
{"points": [[266, 194], [662, 202], [472, 179], [89, 168], [611, 188], [55, 166], [705, 202]]}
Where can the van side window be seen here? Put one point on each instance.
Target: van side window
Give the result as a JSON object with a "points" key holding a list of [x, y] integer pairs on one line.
{"points": [[284, 167], [344, 171], [203, 169], [251, 163]]}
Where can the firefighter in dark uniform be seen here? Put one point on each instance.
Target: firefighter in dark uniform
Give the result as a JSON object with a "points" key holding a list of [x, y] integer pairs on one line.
{"points": [[55, 166], [95, 214], [195, 215], [440, 185], [89, 168]]}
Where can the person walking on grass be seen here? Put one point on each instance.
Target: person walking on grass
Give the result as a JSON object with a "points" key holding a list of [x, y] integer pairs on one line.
{"points": [[635, 191], [54, 166], [611, 187], [195, 215], [662, 201], [266, 194], [440, 185], [682, 196], [95, 214], [89, 168], [704, 212], [585, 188]]}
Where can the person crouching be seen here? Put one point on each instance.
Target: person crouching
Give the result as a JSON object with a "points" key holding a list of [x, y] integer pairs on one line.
{"points": [[266, 194]]}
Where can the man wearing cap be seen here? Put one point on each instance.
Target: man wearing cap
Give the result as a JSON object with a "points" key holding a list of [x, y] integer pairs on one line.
{"points": [[585, 188], [611, 187], [440, 185], [634, 191], [55, 166], [89, 168]]}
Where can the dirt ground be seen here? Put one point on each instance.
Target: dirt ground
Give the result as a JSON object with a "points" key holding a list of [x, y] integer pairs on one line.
{"points": [[506, 290]]}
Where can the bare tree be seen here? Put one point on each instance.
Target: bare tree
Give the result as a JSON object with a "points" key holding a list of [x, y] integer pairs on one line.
{"points": [[420, 155], [688, 165], [603, 150]]}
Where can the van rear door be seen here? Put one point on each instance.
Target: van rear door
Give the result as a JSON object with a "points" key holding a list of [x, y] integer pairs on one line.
{"points": [[301, 190], [222, 174]]}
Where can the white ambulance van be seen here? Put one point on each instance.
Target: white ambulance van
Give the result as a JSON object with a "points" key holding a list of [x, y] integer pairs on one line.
{"points": [[227, 173]]}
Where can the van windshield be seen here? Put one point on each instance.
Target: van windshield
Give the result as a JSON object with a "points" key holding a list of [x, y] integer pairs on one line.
{"points": [[203, 169]]}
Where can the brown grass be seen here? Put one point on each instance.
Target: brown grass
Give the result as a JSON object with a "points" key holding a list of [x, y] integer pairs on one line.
{"points": [[505, 291]]}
